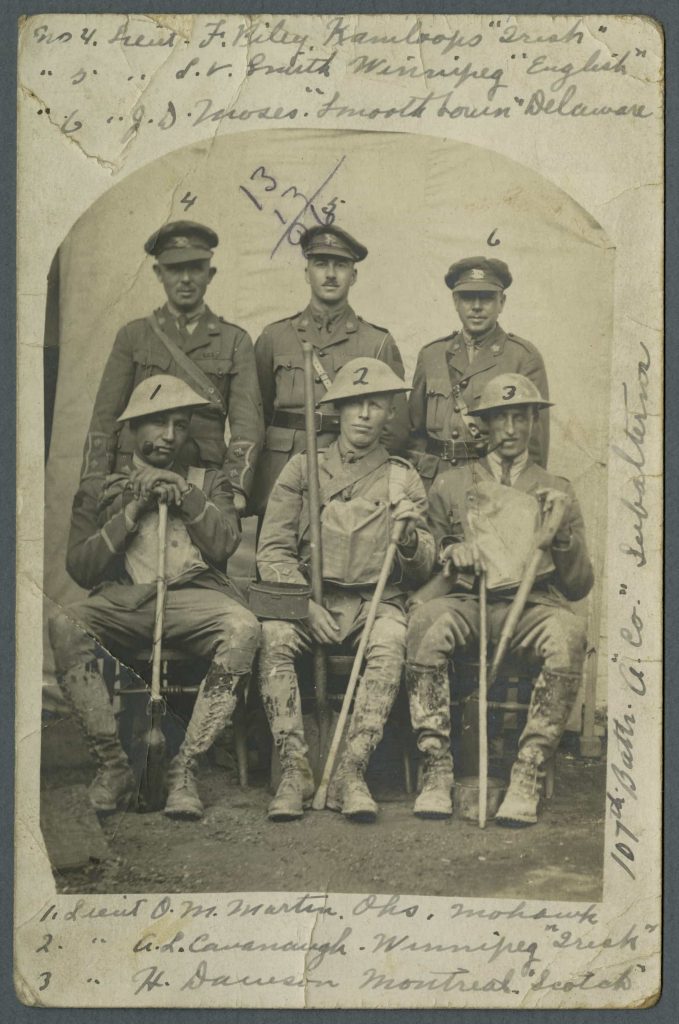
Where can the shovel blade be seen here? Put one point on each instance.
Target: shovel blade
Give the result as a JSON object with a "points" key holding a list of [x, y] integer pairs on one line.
{"points": [[152, 782]]}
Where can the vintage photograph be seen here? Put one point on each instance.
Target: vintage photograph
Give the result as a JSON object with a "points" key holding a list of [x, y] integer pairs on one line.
{"points": [[326, 489], [339, 534]]}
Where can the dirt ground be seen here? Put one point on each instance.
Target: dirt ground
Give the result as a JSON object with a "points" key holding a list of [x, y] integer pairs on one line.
{"points": [[235, 847]]}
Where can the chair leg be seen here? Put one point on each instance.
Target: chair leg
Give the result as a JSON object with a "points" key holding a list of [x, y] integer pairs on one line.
{"points": [[407, 771], [240, 736], [549, 777]]}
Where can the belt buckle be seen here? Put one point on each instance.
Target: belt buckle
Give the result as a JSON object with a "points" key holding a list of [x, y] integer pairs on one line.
{"points": [[318, 418]]}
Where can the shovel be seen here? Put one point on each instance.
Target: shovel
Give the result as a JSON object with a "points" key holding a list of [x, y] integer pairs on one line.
{"points": [[320, 668], [152, 783]]}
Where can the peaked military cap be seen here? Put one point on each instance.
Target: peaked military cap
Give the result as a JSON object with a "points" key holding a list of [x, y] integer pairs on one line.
{"points": [[181, 241], [329, 240], [160, 393], [478, 274], [509, 389], [362, 377]]}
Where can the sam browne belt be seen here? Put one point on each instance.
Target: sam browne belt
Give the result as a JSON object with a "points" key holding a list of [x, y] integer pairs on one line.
{"points": [[326, 423], [457, 451]]}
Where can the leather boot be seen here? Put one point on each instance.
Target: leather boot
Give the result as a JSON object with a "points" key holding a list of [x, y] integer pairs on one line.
{"points": [[434, 800], [374, 700], [429, 698], [295, 790], [86, 693], [214, 707], [551, 702]]}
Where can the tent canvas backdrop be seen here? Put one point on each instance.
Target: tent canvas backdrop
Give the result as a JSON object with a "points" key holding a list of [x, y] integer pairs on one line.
{"points": [[418, 204]]}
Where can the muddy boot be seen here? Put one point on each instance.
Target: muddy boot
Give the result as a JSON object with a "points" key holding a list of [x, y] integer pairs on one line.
{"points": [[214, 706], [86, 693], [349, 794], [429, 699], [520, 805], [551, 701], [295, 790], [435, 799]]}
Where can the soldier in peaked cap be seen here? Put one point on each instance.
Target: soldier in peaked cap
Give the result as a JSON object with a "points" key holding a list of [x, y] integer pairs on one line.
{"points": [[363, 491], [186, 339], [337, 335], [490, 515], [451, 372], [113, 547]]}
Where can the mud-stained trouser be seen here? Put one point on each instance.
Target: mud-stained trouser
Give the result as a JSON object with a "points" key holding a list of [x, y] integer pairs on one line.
{"points": [[201, 621], [552, 636], [283, 642]]}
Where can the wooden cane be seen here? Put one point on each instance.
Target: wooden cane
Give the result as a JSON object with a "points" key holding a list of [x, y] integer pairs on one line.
{"points": [[152, 783], [320, 667], [483, 702], [322, 791]]}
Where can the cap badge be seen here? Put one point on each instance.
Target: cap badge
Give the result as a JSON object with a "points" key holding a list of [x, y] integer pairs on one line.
{"points": [[179, 242], [477, 274]]}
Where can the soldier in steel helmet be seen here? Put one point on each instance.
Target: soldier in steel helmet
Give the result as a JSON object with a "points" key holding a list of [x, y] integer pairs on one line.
{"points": [[363, 491], [113, 548], [452, 372], [337, 335], [186, 339], [470, 507]]}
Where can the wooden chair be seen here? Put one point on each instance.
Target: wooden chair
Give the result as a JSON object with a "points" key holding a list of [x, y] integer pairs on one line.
{"points": [[181, 675], [339, 662], [508, 703]]}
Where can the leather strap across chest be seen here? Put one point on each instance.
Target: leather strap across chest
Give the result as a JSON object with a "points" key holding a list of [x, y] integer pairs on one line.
{"points": [[192, 371]]}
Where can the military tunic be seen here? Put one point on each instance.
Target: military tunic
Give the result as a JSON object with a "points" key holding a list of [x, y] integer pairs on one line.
{"points": [[431, 635], [352, 494], [280, 368], [204, 611], [446, 384], [224, 353]]}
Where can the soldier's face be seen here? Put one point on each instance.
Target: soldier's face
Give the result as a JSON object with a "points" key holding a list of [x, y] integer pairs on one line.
{"points": [[158, 438], [509, 430], [362, 420], [478, 311], [185, 283], [330, 279]]}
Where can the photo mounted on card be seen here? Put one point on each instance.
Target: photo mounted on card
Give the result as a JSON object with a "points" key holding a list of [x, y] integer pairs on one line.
{"points": [[339, 457]]}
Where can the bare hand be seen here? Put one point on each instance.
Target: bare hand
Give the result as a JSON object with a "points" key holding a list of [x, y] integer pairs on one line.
{"points": [[405, 511], [322, 626], [239, 501], [167, 486], [463, 556], [555, 505]]}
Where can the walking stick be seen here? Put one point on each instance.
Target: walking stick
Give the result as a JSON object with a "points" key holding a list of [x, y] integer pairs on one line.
{"points": [[483, 702], [152, 784], [322, 791], [320, 668]]}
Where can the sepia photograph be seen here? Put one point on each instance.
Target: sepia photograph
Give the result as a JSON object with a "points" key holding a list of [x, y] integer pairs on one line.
{"points": [[342, 600]]}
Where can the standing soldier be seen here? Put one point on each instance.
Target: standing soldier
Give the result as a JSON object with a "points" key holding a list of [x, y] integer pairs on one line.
{"points": [[337, 335], [452, 372], [363, 492], [478, 514], [184, 339]]}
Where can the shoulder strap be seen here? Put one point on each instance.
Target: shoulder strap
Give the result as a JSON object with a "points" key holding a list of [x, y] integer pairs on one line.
{"points": [[192, 371]]}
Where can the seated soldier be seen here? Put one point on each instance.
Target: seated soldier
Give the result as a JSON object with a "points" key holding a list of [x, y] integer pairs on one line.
{"points": [[113, 547], [363, 492], [461, 501]]}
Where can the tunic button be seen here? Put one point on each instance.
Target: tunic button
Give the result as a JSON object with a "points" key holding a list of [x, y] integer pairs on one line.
{"points": [[453, 462], [456, 408], [455, 434]]}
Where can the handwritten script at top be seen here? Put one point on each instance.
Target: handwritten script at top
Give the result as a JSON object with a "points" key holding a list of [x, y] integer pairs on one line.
{"points": [[495, 71]]}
